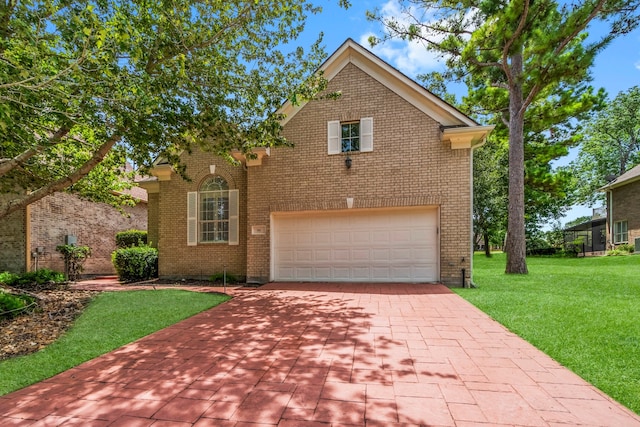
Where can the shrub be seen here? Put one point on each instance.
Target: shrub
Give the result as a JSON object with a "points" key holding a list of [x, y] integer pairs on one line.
{"points": [[74, 259], [135, 263], [34, 280], [624, 249], [219, 278], [11, 305], [129, 238], [6, 278]]}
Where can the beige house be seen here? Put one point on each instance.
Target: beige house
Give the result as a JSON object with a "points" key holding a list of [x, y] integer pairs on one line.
{"points": [[377, 189], [623, 209]]}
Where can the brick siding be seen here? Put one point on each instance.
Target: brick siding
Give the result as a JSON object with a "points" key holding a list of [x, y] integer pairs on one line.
{"points": [[626, 207], [409, 166], [13, 256], [56, 216], [176, 259]]}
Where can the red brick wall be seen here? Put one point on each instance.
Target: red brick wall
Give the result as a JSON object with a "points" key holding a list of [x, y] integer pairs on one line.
{"points": [[94, 224]]}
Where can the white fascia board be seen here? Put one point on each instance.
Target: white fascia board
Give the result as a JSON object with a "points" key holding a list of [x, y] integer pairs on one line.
{"points": [[403, 86]]}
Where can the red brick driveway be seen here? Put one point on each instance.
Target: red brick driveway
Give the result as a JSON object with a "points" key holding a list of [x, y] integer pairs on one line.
{"points": [[322, 355]]}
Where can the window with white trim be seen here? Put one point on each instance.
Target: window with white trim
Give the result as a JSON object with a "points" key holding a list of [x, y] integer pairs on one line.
{"points": [[620, 232], [212, 213], [350, 136]]}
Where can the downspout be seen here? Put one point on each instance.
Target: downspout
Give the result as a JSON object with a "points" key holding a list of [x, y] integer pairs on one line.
{"points": [[471, 285], [610, 215], [27, 238]]}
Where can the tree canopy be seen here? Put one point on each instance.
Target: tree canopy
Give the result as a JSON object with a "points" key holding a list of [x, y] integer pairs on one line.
{"points": [[610, 145], [88, 84], [519, 58]]}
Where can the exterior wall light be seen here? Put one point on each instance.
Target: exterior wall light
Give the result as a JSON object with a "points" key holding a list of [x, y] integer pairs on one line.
{"points": [[347, 162]]}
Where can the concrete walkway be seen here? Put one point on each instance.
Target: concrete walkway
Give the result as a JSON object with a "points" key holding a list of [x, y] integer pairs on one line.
{"points": [[322, 355]]}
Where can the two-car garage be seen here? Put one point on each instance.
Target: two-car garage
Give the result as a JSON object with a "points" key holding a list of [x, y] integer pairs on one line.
{"points": [[369, 245]]}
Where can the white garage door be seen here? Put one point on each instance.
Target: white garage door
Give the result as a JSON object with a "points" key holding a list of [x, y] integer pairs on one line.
{"points": [[378, 245]]}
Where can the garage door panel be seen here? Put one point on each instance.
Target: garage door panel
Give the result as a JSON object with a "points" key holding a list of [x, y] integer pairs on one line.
{"points": [[322, 273], [305, 255], [381, 273], [360, 237], [287, 256], [341, 273], [401, 237], [304, 238], [380, 237], [323, 255], [401, 273], [360, 255], [376, 245]]}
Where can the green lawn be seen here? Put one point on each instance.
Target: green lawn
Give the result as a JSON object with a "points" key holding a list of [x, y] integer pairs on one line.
{"points": [[583, 312], [111, 320]]}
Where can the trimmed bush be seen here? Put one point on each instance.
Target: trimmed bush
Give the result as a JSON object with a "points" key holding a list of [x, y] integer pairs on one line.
{"points": [[135, 263], [129, 238]]}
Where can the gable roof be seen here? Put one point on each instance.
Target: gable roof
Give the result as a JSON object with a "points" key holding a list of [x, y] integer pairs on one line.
{"points": [[628, 177], [353, 53]]}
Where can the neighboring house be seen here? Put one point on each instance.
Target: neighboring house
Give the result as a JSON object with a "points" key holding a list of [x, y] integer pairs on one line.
{"points": [[588, 238], [378, 188], [623, 209], [30, 236]]}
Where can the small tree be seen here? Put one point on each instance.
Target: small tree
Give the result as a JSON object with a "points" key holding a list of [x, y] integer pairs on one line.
{"points": [[129, 238], [74, 259]]}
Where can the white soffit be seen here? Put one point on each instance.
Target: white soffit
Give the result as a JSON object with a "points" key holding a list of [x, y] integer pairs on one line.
{"points": [[403, 86], [466, 137]]}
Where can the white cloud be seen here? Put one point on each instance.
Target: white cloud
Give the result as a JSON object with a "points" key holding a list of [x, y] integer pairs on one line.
{"points": [[410, 57], [637, 64]]}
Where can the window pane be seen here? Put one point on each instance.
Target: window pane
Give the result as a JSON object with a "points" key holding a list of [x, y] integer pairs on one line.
{"points": [[214, 216]]}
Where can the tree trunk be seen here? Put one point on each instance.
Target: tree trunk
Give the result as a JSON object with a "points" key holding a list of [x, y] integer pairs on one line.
{"points": [[516, 247], [62, 183], [487, 249]]}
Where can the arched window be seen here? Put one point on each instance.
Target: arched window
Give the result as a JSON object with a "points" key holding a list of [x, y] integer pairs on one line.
{"points": [[213, 212]]}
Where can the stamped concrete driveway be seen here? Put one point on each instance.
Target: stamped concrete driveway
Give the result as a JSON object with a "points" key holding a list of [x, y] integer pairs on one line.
{"points": [[322, 355]]}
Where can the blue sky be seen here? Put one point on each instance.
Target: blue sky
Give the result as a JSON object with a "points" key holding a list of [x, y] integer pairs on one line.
{"points": [[616, 69]]}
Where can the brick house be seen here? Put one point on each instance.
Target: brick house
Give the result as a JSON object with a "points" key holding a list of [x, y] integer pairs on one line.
{"points": [[378, 188], [30, 236], [623, 209]]}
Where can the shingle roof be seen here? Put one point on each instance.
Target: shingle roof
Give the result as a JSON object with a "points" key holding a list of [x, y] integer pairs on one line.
{"points": [[631, 175]]}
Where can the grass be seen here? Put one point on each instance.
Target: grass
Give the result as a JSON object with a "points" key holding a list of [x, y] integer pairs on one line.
{"points": [[583, 312], [111, 320]]}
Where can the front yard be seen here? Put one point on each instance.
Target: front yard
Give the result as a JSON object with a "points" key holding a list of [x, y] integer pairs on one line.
{"points": [[583, 312]]}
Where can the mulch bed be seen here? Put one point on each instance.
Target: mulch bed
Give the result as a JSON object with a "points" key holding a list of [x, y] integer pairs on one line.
{"points": [[30, 332], [57, 310]]}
